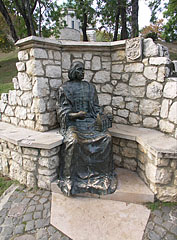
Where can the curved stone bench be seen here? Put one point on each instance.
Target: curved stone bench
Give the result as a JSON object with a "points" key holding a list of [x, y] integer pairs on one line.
{"points": [[32, 157]]}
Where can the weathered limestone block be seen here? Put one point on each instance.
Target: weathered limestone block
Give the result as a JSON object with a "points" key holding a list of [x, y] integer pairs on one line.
{"points": [[130, 164], [101, 77], [12, 98], [23, 55], [132, 106], [29, 165], [24, 81], [173, 113], [50, 54], [4, 165], [87, 65], [66, 60], [49, 162], [30, 151], [159, 60], [51, 105], [149, 107], [150, 48], [20, 66], [170, 90], [165, 108], [167, 194], [49, 153], [5, 119], [38, 53], [118, 55], [26, 99], [9, 111], [88, 75], [150, 72], [125, 77], [137, 80], [87, 56], [122, 89], [45, 181], [20, 112], [104, 99], [39, 105], [14, 120], [108, 110], [150, 122], [135, 118], [4, 97], [16, 172], [31, 180], [53, 71], [137, 91], [107, 88], [123, 113], [134, 67], [132, 144], [34, 68], [162, 73], [29, 124], [162, 162], [120, 120], [2, 106], [96, 63], [17, 157], [41, 87], [57, 55], [154, 90], [117, 160], [166, 126], [145, 61], [118, 102], [118, 68], [46, 171], [116, 76], [47, 118], [129, 152], [55, 83]]}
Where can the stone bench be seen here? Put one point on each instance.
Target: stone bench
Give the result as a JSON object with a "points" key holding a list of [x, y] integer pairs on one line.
{"points": [[32, 157]]}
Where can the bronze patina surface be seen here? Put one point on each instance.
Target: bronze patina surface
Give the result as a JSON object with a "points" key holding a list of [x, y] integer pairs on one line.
{"points": [[86, 161]]}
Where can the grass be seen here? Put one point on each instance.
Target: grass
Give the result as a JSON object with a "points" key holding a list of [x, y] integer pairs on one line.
{"points": [[7, 70], [5, 183], [158, 205]]}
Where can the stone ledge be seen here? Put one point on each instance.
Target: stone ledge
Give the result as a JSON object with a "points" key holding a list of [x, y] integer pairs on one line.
{"points": [[157, 143], [29, 138]]}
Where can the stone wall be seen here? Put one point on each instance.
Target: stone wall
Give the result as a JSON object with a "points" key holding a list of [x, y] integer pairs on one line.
{"points": [[158, 172], [32, 167], [132, 79]]}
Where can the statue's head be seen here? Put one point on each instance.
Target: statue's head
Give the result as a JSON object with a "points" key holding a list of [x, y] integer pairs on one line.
{"points": [[76, 71]]}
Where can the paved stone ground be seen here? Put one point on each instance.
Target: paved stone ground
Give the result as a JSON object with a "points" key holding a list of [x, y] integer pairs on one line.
{"points": [[26, 216]]}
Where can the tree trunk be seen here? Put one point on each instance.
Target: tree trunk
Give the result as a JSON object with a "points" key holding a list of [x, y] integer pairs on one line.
{"points": [[30, 18], [84, 27], [124, 33], [135, 8], [117, 21], [7, 18], [40, 19]]}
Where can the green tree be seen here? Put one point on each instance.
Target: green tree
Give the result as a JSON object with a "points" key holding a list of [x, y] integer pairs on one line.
{"points": [[85, 12], [170, 28]]}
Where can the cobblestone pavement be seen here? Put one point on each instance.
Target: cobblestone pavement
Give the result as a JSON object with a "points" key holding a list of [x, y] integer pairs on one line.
{"points": [[26, 216]]}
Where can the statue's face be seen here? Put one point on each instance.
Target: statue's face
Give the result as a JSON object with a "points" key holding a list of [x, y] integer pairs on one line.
{"points": [[79, 73]]}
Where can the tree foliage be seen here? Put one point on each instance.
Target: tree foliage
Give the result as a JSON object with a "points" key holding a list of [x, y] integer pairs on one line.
{"points": [[153, 30], [85, 12], [32, 17]]}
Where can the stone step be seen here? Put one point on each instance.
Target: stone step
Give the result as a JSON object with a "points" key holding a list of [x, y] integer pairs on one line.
{"points": [[96, 219], [130, 189]]}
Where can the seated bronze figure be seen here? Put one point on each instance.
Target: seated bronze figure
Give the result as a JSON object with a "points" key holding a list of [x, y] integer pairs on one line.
{"points": [[86, 161]]}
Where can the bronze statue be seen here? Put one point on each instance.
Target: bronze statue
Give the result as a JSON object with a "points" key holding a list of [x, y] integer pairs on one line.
{"points": [[86, 161]]}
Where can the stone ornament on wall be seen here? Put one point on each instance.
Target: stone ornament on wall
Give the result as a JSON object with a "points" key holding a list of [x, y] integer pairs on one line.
{"points": [[134, 49]]}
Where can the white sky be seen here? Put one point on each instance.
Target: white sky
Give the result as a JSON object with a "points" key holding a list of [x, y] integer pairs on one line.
{"points": [[144, 13]]}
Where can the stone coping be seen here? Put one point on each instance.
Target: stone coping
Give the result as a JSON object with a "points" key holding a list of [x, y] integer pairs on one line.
{"points": [[29, 138], [157, 143], [59, 43]]}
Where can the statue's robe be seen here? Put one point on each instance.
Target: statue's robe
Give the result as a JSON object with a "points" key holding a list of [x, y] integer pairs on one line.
{"points": [[86, 161]]}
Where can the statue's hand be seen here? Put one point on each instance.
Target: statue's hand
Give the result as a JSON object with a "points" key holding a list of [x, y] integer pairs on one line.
{"points": [[79, 115]]}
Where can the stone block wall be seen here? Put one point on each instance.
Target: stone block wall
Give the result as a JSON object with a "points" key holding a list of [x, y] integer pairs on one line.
{"points": [[133, 83], [157, 171], [32, 167]]}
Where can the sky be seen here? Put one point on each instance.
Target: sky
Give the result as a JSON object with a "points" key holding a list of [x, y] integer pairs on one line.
{"points": [[144, 13]]}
